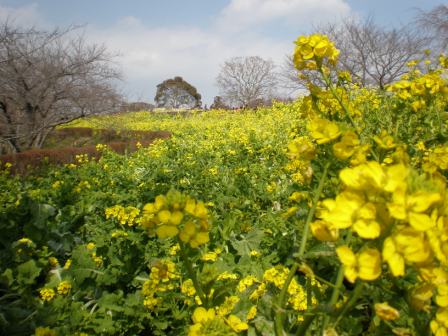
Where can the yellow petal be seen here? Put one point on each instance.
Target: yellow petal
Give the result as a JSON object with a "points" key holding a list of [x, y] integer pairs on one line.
{"points": [[149, 208], [369, 263], [166, 231], [397, 210], [236, 324], [420, 222], [324, 231], [176, 217], [367, 229], [351, 177], [423, 200], [386, 312], [160, 202], [164, 216], [346, 256], [200, 210], [396, 176], [396, 265], [201, 314], [350, 273]]}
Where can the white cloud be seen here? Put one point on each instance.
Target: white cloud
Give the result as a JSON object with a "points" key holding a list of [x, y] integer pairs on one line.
{"points": [[242, 14], [21, 16], [150, 55]]}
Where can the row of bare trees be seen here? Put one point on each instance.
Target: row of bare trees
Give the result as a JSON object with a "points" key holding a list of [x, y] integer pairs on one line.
{"points": [[48, 78]]}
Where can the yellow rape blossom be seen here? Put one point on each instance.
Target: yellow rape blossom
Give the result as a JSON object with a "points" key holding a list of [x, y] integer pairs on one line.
{"points": [[175, 214], [386, 312], [64, 287], [246, 282], [227, 306], [412, 207], [439, 326], [251, 313], [44, 331], [384, 140], [324, 231], [323, 130], [314, 49], [366, 265], [236, 324], [47, 294], [347, 146], [405, 245]]}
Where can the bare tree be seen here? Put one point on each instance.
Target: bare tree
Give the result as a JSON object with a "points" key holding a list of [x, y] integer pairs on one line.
{"points": [[373, 55], [435, 23], [47, 79], [243, 80]]}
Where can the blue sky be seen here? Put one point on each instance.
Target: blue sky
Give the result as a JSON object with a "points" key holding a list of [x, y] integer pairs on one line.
{"points": [[161, 39]]}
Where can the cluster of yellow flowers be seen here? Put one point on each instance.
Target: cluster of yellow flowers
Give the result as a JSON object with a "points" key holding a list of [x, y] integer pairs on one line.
{"points": [[301, 151], [212, 255], [323, 130], [420, 89], [26, 242], [101, 147], [119, 234], [47, 294], [314, 51], [63, 288], [277, 276], [82, 158], [297, 295], [96, 258], [83, 185], [206, 322], [125, 215], [404, 218], [436, 159], [44, 331], [160, 280], [175, 214], [355, 98]]}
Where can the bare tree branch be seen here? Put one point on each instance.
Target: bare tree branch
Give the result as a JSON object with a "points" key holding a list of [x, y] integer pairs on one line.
{"points": [[244, 80], [47, 79], [373, 55]]}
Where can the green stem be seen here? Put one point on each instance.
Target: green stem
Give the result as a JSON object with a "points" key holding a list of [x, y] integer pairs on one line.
{"points": [[306, 324], [192, 275], [351, 302], [334, 295], [337, 286], [335, 95], [279, 316], [312, 211], [344, 107]]}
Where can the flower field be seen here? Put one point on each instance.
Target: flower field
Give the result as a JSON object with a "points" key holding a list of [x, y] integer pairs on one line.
{"points": [[326, 216]]}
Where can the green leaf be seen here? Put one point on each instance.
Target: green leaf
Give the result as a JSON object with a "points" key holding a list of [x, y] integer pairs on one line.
{"points": [[248, 243], [7, 277], [27, 272]]}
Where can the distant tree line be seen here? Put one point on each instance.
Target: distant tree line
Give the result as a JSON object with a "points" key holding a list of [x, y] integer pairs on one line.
{"points": [[48, 78], [373, 55]]}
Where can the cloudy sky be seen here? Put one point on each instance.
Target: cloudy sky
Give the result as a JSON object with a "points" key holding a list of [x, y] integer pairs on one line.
{"points": [[160, 39]]}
